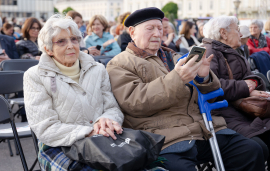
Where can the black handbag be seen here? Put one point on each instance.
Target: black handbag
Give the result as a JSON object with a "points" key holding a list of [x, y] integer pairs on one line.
{"points": [[132, 151]]}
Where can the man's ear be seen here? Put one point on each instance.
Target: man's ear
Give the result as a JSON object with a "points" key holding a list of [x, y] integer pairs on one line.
{"points": [[49, 52], [131, 31], [223, 34]]}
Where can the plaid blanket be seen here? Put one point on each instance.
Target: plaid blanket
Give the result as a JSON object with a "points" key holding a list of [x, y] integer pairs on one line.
{"points": [[53, 159]]}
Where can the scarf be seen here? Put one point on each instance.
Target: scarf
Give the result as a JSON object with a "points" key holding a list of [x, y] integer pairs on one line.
{"points": [[143, 54], [262, 41]]}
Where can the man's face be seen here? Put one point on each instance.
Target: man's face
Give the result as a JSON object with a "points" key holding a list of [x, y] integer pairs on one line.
{"points": [[166, 27], [147, 36]]}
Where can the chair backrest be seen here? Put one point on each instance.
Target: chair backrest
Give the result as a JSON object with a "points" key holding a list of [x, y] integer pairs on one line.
{"points": [[267, 84], [4, 110], [103, 59], [11, 81], [18, 64]]}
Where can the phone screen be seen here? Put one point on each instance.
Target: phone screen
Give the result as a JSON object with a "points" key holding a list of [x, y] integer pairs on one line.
{"points": [[98, 47]]}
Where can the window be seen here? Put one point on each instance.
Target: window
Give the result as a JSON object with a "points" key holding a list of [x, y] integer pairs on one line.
{"points": [[200, 5], [211, 4], [111, 4], [189, 5]]}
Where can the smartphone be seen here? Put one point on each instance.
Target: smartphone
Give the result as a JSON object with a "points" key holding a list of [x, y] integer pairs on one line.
{"points": [[196, 50], [98, 47]]}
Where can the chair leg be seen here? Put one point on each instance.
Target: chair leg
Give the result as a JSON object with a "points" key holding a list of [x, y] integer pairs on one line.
{"points": [[16, 148], [10, 150], [34, 164], [19, 145]]}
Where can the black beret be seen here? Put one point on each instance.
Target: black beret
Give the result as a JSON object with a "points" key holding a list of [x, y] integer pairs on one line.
{"points": [[143, 15]]}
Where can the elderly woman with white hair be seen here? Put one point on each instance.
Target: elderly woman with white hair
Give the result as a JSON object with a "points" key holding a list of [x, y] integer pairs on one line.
{"points": [[223, 37], [67, 95], [257, 41]]}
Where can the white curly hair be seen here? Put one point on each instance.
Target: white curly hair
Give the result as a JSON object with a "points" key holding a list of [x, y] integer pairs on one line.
{"points": [[212, 27], [54, 25]]}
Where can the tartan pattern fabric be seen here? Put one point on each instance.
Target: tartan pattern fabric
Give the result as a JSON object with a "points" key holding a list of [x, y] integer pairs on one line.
{"points": [[53, 159], [143, 54]]}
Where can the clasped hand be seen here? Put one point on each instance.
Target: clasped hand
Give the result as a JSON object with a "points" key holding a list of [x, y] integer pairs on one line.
{"points": [[106, 127], [191, 69]]}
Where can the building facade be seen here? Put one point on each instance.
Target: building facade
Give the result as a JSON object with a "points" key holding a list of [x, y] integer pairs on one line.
{"points": [[26, 8], [248, 9], [110, 9]]}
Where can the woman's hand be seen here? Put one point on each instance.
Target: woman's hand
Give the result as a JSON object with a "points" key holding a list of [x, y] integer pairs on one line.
{"points": [[37, 57], [4, 56], [107, 127], [205, 66], [251, 85], [108, 43], [256, 93], [93, 51], [178, 42], [91, 134]]}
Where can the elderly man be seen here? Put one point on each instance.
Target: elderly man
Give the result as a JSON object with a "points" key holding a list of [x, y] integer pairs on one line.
{"points": [[159, 100], [7, 47]]}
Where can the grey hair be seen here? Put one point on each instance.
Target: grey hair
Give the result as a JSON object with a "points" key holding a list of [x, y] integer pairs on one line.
{"points": [[259, 23], [0, 22], [54, 25], [212, 27], [172, 26]]}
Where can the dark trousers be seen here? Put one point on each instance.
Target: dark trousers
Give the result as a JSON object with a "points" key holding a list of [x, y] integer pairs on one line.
{"points": [[264, 141], [238, 154]]}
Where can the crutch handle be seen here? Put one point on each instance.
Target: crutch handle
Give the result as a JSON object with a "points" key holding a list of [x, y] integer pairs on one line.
{"points": [[211, 106], [213, 94]]}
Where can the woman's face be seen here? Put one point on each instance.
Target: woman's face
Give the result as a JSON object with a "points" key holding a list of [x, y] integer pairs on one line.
{"points": [[254, 30], [201, 31], [65, 49], [232, 37], [78, 21], [9, 31], [193, 30], [34, 30], [97, 27], [166, 27]]}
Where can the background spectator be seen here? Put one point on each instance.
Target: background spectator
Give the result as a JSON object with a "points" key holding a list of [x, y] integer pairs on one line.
{"points": [[7, 47], [189, 40], [28, 47], [257, 42], [243, 49], [4, 20], [167, 38], [267, 28], [200, 35], [109, 47], [124, 38], [7, 29]]}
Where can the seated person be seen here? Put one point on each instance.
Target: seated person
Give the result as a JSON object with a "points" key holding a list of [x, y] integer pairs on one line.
{"points": [[28, 47], [7, 47], [233, 72], [161, 101], [188, 40], [124, 38], [67, 95], [257, 41], [167, 38], [200, 27], [109, 47], [243, 49], [77, 17]]}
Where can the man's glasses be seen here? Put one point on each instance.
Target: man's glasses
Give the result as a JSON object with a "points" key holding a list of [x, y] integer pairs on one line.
{"points": [[35, 28], [64, 42]]}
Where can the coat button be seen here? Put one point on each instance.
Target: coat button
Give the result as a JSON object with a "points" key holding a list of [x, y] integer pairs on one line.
{"points": [[91, 122], [84, 93]]}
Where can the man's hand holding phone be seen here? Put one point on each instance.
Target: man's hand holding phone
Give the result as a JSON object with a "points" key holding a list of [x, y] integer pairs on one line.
{"points": [[188, 68], [94, 51]]}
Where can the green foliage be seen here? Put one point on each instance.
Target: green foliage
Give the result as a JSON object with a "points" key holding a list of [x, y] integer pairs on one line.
{"points": [[67, 10], [170, 8], [56, 10]]}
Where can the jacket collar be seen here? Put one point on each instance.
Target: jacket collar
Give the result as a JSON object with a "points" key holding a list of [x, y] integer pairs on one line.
{"points": [[95, 37], [47, 63], [219, 46]]}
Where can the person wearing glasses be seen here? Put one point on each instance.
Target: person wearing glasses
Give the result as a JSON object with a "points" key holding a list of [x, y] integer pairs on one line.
{"points": [[28, 47], [222, 38], [67, 95]]}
